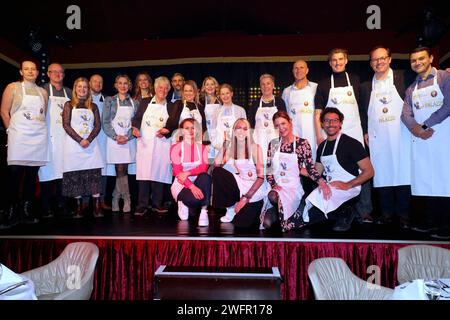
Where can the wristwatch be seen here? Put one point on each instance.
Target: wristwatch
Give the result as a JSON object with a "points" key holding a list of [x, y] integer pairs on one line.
{"points": [[424, 127]]}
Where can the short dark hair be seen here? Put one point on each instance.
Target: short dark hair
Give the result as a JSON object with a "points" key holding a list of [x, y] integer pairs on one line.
{"points": [[331, 110], [379, 47], [419, 49]]}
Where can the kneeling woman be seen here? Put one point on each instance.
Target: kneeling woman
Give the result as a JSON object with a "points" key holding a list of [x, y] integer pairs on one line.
{"points": [[285, 159], [192, 185], [242, 193]]}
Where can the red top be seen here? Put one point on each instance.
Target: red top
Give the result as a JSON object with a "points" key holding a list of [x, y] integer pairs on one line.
{"points": [[190, 155]]}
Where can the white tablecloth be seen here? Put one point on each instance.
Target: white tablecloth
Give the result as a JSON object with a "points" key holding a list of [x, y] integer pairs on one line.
{"points": [[24, 292], [413, 290]]}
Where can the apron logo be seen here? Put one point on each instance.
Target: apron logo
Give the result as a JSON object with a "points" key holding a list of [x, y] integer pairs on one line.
{"points": [[161, 119], [349, 93], [41, 110], [417, 105], [27, 115], [266, 124], [85, 117], [384, 100], [334, 100], [208, 122], [385, 110], [293, 110], [305, 103], [434, 93], [250, 174], [227, 125], [123, 125], [148, 123]]}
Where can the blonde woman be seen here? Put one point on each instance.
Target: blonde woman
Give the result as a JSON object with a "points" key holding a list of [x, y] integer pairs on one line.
{"points": [[210, 100], [121, 145], [82, 156], [241, 193]]}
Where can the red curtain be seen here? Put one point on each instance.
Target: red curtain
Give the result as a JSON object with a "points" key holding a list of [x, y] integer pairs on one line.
{"points": [[125, 268]]}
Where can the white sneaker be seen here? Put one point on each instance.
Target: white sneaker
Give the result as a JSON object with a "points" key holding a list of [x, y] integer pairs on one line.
{"points": [[183, 211], [203, 220], [228, 217]]}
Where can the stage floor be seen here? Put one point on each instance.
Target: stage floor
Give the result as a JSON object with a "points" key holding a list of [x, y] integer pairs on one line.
{"points": [[169, 226]]}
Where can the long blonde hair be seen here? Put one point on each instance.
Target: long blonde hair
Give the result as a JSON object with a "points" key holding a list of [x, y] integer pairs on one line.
{"points": [[232, 151], [194, 86], [75, 99]]}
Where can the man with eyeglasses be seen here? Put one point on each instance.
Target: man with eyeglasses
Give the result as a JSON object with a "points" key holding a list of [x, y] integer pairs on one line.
{"points": [[426, 111], [346, 166], [342, 91], [388, 138], [50, 175]]}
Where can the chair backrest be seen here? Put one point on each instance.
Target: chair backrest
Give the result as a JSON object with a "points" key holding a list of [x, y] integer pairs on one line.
{"points": [[422, 262], [332, 279], [70, 276]]}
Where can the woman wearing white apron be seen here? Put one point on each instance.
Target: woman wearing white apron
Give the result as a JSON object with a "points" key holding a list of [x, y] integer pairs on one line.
{"points": [[208, 98], [23, 112], [261, 113], [82, 156], [192, 185], [121, 145], [346, 166], [389, 141], [153, 148], [188, 107], [226, 117], [286, 156], [241, 193]]}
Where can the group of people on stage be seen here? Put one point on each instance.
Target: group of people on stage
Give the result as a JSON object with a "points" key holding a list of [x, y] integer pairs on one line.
{"points": [[290, 161]]}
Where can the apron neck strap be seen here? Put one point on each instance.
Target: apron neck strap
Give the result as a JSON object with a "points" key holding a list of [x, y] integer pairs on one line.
{"points": [[346, 75], [335, 145]]}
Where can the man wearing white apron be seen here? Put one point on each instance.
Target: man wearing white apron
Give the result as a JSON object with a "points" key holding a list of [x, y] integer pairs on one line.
{"points": [[299, 99], [388, 138], [342, 91], [23, 113], [153, 148], [261, 113], [346, 166], [96, 86], [426, 113], [50, 175]]}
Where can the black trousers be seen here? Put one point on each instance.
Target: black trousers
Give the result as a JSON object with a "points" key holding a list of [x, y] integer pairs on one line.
{"points": [[395, 201], [437, 212], [226, 194], [157, 193], [316, 215], [51, 192], [203, 182], [23, 181]]}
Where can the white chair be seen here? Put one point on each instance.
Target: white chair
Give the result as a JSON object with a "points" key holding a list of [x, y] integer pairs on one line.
{"points": [[69, 277], [422, 262], [332, 279]]}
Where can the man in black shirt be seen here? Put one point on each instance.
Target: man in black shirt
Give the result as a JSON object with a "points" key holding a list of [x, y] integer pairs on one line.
{"points": [[342, 91], [346, 166]]}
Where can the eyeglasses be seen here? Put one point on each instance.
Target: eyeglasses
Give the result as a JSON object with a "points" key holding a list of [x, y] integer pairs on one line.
{"points": [[331, 120], [380, 59]]}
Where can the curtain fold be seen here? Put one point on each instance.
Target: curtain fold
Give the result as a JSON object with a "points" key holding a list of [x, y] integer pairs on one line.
{"points": [[125, 268]]}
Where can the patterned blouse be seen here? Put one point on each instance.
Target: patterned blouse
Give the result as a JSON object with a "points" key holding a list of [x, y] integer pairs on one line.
{"points": [[304, 157]]}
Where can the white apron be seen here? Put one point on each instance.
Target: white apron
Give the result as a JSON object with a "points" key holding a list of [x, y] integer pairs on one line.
{"points": [[245, 178], [121, 153], [177, 186], [389, 138], [264, 128], [27, 132], [430, 168], [287, 175], [75, 156], [195, 114], [211, 112], [108, 169], [153, 153], [343, 98], [301, 110], [333, 172], [54, 169]]}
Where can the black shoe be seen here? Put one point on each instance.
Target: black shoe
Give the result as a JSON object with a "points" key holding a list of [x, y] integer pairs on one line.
{"points": [[423, 229], [27, 215], [160, 209], [384, 219], [443, 234], [140, 212], [345, 223], [47, 215]]}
